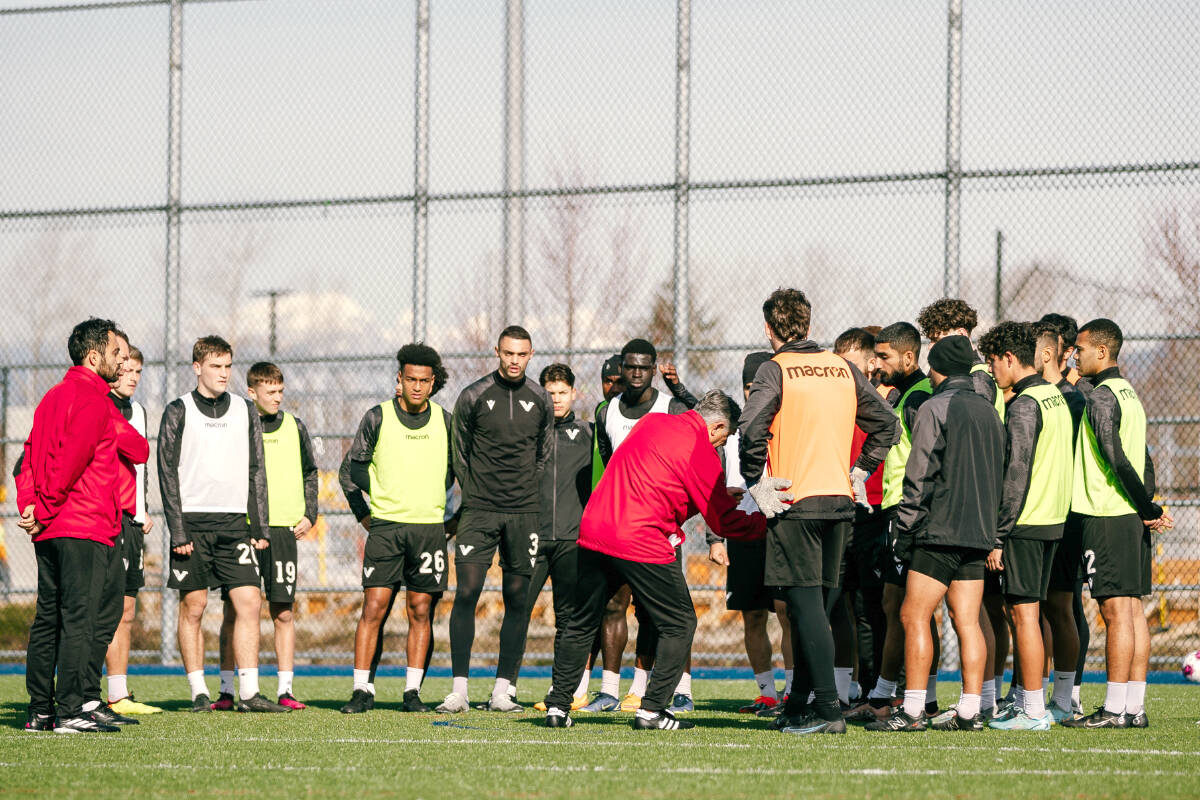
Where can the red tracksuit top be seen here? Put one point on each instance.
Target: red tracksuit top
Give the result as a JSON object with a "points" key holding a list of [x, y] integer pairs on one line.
{"points": [[71, 472], [665, 472]]}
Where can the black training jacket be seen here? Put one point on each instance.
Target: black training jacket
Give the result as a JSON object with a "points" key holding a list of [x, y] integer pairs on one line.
{"points": [[1104, 414], [501, 438], [567, 481], [170, 439], [953, 478]]}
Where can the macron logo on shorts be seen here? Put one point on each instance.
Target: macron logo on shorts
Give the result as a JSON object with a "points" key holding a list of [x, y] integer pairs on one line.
{"points": [[126, 560], [437, 576], [180, 574], [465, 548], [289, 589], [527, 405], [367, 571]]}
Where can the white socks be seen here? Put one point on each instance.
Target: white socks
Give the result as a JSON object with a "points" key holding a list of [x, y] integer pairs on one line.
{"points": [[841, 680], [117, 688], [1135, 697], [285, 682], [362, 681], [91, 705], [914, 702], [412, 678], [1034, 702], [968, 706], [1075, 693], [247, 683], [196, 683], [685, 684], [641, 678], [610, 683], [584, 682], [226, 681], [501, 688], [1064, 684], [884, 689], [1115, 699], [787, 681], [766, 684], [460, 687]]}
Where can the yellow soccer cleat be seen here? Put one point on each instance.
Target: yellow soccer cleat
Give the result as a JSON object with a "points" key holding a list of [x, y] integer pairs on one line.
{"points": [[579, 701], [632, 702], [127, 705], [540, 705]]}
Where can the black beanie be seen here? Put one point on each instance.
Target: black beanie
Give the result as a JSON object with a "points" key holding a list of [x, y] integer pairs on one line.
{"points": [[751, 365], [611, 366], [952, 355]]}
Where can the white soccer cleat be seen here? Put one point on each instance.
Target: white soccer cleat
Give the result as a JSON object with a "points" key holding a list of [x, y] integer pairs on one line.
{"points": [[454, 703]]}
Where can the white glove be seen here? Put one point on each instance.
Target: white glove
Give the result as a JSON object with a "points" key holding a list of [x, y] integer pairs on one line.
{"points": [[770, 496], [858, 483]]}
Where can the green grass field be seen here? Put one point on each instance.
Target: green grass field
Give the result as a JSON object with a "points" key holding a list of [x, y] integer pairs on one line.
{"points": [[320, 753]]}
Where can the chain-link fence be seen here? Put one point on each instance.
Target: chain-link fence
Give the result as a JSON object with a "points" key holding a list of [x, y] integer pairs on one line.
{"points": [[321, 182]]}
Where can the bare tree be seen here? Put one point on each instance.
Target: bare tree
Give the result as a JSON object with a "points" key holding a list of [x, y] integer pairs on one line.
{"points": [[215, 269], [704, 325]]}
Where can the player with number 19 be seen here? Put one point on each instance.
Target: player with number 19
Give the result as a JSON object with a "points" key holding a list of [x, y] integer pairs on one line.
{"points": [[400, 457]]}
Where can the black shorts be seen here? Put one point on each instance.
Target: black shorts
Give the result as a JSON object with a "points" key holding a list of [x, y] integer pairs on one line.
{"points": [[219, 559], [279, 565], [132, 545], [992, 585], [1116, 556], [1027, 567], [408, 553], [805, 552], [867, 554], [481, 533], [894, 570], [1066, 575], [744, 586], [946, 564]]}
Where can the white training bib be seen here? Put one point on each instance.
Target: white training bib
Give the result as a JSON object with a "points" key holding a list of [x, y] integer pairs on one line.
{"points": [[733, 474], [138, 421], [214, 459], [618, 426]]}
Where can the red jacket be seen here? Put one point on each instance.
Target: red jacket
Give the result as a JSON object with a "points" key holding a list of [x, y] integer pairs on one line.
{"points": [[665, 472], [71, 471]]}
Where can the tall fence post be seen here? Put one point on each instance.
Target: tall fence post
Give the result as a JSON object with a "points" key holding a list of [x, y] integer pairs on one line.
{"points": [[170, 602], [420, 267], [513, 276], [951, 275], [681, 285]]}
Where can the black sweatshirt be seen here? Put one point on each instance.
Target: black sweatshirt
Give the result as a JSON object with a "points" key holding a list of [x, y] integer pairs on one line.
{"points": [[502, 432], [308, 465], [355, 474], [1104, 414], [567, 481], [170, 442]]}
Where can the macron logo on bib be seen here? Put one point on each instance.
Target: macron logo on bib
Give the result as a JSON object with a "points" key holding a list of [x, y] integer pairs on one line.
{"points": [[527, 405]]}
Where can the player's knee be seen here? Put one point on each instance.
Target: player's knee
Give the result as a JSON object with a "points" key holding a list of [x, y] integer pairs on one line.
{"points": [[282, 613]]}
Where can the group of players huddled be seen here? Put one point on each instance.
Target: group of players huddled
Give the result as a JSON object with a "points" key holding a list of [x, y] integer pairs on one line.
{"points": [[851, 495]]}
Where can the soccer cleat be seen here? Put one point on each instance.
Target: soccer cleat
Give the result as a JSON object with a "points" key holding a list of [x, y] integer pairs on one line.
{"points": [[601, 702], [783, 720], [816, 724], [262, 705], [681, 704], [454, 703], [761, 702], [84, 723], [224, 702], [900, 721], [412, 702], [632, 702], [106, 716], [1060, 716], [662, 721], [949, 720], [1139, 720], [1023, 722], [287, 700], [127, 705], [39, 722], [505, 704], [558, 719], [578, 701], [1005, 712], [201, 703], [869, 711], [1100, 718], [361, 701]]}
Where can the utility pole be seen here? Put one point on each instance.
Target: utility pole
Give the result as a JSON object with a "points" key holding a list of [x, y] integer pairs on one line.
{"points": [[272, 295]]}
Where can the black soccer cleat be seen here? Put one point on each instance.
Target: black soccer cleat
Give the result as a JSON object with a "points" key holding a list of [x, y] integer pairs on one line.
{"points": [[202, 704], [816, 724], [1100, 718], [1139, 720], [39, 722], [106, 716], [789, 721], [262, 705], [83, 723], [360, 702], [558, 720], [412, 702], [899, 721], [662, 721], [951, 721]]}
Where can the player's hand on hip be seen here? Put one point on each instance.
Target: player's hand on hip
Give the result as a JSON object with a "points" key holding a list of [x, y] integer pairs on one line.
{"points": [[770, 495], [995, 560], [260, 544], [718, 554], [147, 525], [366, 523], [183, 549], [302, 527]]}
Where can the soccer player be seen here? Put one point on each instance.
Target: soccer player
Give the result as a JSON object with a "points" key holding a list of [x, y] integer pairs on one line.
{"points": [[292, 510], [134, 527], [745, 590], [665, 471], [68, 469], [614, 420], [214, 490], [503, 428], [897, 354], [799, 425], [1113, 491], [401, 458], [945, 528], [566, 487], [1033, 505]]}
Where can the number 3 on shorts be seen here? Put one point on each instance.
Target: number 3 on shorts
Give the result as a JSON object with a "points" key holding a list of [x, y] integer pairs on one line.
{"points": [[533, 544]]}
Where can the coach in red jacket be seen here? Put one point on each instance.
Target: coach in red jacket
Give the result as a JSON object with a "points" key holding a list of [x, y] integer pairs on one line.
{"points": [[665, 472], [68, 492]]}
